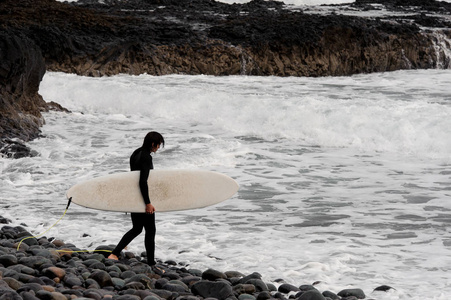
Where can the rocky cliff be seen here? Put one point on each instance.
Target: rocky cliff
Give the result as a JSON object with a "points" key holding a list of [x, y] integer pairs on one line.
{"points": [[21, 69], [202, 37]]}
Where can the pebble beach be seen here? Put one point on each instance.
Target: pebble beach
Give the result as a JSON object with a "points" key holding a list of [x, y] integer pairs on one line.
{"points": [[48, 268]]}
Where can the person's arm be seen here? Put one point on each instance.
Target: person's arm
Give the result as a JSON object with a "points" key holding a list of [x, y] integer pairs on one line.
{"points": [[146, 165], [143, 186]]}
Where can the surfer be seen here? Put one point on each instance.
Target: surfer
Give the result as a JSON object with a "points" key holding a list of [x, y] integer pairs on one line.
{"points": [[141, 160]]}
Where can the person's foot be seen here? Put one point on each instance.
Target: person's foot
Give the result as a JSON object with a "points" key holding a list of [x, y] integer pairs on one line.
{"points": [[113, 257]]}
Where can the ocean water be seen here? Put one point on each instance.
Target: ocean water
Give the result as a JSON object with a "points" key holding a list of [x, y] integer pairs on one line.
{"points": [[343, 180]]}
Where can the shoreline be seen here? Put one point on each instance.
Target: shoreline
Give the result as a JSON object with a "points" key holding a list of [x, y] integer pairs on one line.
{"points": [[48, 268]]}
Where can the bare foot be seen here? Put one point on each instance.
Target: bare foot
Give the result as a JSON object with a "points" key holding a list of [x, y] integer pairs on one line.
{"points": [[113, 257]]}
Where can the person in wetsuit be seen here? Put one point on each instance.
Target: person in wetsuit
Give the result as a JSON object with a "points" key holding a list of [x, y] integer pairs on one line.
{"points": [[141, 160]]}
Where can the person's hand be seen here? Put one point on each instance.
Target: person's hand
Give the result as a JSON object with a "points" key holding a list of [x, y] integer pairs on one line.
{"points": [[150, 209]]}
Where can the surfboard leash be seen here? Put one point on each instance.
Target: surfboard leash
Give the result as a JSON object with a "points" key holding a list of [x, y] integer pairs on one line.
{"points": [[39, 235]]}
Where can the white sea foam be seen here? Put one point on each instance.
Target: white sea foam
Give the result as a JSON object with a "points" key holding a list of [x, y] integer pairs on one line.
{"points": [[368, 113], [343, 180]]}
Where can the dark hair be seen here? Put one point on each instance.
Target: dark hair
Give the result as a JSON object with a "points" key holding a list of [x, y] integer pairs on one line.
{"points": [[152, 139]]}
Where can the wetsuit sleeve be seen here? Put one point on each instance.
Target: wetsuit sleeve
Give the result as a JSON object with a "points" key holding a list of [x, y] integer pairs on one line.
{"points": [[145, 166], [143, 186]]}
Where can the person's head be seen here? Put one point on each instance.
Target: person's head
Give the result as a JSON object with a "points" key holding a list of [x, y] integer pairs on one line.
{"points": [[152, 141]]}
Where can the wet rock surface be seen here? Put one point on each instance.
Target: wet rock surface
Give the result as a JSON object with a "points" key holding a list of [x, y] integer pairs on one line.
{"points": [[161, 37], [47, 268], [21, 69], [208, 37]]}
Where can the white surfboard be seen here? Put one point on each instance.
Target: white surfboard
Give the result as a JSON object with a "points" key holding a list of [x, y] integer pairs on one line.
{"points": [[169, 190]]}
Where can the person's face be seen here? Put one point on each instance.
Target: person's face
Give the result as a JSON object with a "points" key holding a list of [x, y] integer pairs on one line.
{"points": [[155, 148]]}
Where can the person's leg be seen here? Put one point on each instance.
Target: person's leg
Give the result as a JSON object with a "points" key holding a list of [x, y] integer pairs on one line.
{"points": [[149, 240], [129, 236]]}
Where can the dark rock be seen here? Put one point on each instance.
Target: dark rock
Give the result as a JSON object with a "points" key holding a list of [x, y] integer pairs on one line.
{"points": [[129, 255], [127, 274], [21, 269], [4, 286], [104, 250], [213, 275], [358, 293], [69, 292], [9, 273], [72, 280], [8, 260], [259, 284], [172, 287], [58, 243], [190, 280], [264, 296], [161, 282], [163, 294], [92, 284], [244, 288], [152, 297], [118, 283], [34, 262], [246, 297], [113, 268], [196, 272], [93, 294], [383, 288], [45, 253], [135, 285], [30, 287], [307, 287], [141, 268], [9, 295], [96, 256], [287, 288], [128, 297], [170, 262], [311, 295], [40, 281], [254, 275], [13, 283], [142, 278], [30, 241], [171, 275], [233, 274], [54, 272], [280, 296], [25, 278], [21, 70], [29, 296], [47, 281], [181, 284], [97, 265], [271, 287], [102, 278], [189, 297], [93, 263], [206, 289], [44, 295], [331, 295]]}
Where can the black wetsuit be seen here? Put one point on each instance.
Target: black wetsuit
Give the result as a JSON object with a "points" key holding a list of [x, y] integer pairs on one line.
{"points": [[141, 160]]}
